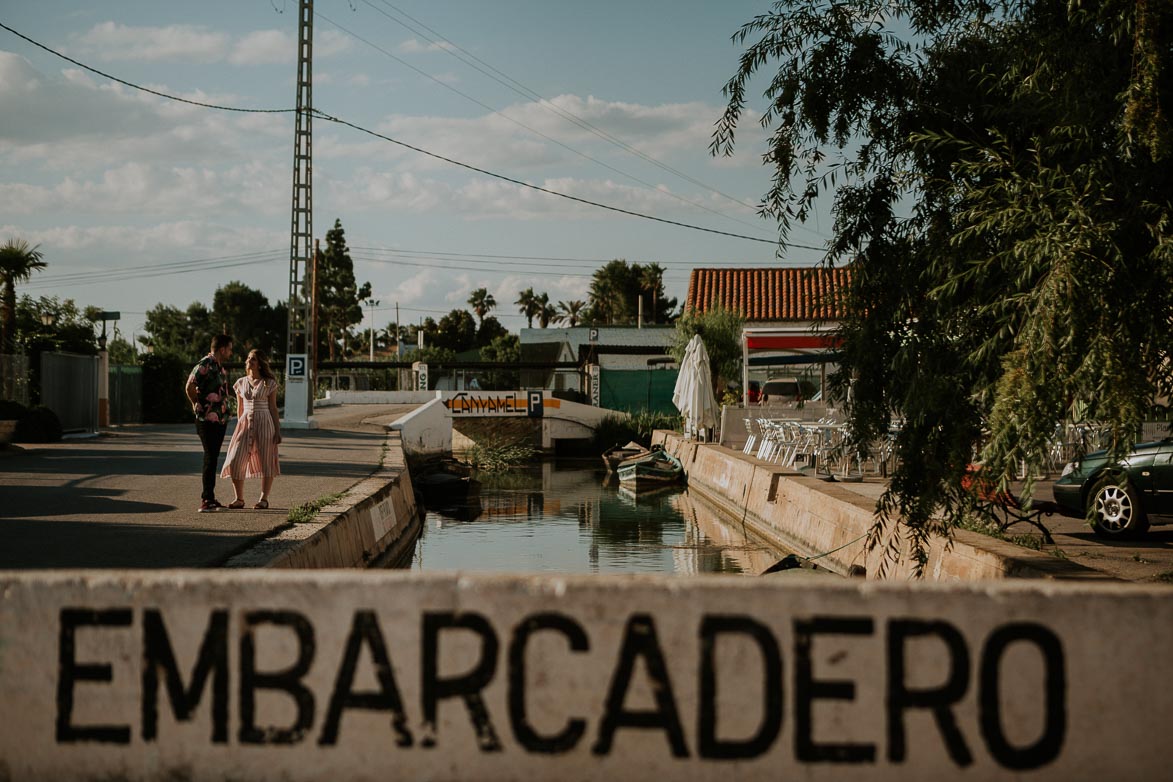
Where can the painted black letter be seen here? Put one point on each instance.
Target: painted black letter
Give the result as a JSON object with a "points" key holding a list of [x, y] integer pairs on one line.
{"points": [[640, 640], [468, 686], [69, 671], [807, 690], [1046, 749], [709, 745], [288, 680], [364, 628], [212, 659], [526, 735], [937, 699]]}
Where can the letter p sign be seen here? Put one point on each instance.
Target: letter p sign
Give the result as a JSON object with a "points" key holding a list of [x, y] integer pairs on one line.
{"points": [[534, 406], [295, 367]]}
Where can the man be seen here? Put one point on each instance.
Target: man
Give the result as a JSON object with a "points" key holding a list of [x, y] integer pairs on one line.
{"points": [[207, 390]]}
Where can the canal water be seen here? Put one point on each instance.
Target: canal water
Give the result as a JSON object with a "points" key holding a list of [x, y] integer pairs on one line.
{"points": [[566, 518]]}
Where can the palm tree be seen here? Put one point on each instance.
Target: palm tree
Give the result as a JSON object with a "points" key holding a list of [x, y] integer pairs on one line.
{"points": [[527, 305], [18, 261], [546, 311], [651, 278], [482, 302], [611, 285], [570, 312]]}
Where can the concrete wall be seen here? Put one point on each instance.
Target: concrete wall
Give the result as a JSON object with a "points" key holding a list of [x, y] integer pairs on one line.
{"points": [[378, 398], [368, 676], [374, 519], [427, 430], [811, 517]]}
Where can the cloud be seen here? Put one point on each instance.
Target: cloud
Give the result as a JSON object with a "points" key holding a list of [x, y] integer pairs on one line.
{"points": [[112, 42], [74, 122], [156, 191], [264, 47]]}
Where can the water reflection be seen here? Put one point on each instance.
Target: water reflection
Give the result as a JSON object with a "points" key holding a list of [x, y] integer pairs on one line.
{"points": [[564, 519]]}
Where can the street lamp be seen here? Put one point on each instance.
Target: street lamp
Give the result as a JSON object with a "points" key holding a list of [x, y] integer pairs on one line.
{"points": [[372, 303], [48, 318]]}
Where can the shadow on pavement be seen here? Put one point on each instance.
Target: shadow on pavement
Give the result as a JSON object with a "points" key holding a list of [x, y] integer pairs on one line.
{"points": [[115, 545], [67, 501]]}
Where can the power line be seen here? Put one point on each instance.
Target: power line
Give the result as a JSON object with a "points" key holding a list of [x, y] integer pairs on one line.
{"points": [[329, 118], [139, 86], [516, 86], [451, 161], [145, 272], [520, 124]]}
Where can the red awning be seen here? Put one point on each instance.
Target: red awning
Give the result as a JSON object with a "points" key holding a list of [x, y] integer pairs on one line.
{"points": [[792, 342]]}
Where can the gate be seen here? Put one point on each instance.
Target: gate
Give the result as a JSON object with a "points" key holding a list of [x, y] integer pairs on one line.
{"points": [[14, 378], [69, 387], [126, 395]]}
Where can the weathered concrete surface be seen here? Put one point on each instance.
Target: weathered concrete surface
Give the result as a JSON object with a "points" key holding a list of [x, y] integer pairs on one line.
{"points": [[129, 499], [265, 675], [371, 519], [812, 517]]}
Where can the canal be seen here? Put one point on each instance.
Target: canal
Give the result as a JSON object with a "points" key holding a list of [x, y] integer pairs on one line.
{"points": [[567, 518]]}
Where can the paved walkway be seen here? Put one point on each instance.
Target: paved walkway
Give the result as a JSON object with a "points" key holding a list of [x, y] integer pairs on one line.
{"points": [[128, 498]]}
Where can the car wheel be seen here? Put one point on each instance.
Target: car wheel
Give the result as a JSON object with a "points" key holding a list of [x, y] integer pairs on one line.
{"points": [[1116, 510]]}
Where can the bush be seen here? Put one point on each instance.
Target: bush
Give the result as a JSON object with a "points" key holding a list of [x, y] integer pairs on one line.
{"points": [[619, 430], [38, 425], [164, 378], [11, 411]]}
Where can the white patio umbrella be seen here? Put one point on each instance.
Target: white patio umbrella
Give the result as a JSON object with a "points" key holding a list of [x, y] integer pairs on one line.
{"points": [[693, 394]]}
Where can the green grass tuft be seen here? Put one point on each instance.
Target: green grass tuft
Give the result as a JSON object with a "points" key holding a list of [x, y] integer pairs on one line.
{"points": [[303, 514]]}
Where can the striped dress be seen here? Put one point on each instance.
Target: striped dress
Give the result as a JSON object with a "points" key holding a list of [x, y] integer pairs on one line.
{"points": [[253, 450]]}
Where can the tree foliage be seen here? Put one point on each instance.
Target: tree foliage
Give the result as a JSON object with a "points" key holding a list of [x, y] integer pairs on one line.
{"points": [[616, 289], [18, 261], [339, 295], [246, 314], [720, 330], [528, 305], [456, 331], [505, 349], [999, 173], [482, 302], [489, 330]]}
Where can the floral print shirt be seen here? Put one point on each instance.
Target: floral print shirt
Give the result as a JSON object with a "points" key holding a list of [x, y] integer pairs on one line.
{"points": [[211, 381]]}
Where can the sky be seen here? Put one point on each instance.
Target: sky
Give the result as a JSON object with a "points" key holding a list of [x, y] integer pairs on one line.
{"points": [[137, 200]]}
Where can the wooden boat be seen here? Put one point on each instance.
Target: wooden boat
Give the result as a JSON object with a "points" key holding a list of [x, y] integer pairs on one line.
{"points": [[654, 468], [616, 454]]}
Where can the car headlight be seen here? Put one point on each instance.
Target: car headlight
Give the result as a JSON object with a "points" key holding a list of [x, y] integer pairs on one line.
{"points": [[1067, 469]]}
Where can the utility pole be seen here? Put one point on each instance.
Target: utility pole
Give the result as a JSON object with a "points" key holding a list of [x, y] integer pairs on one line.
{"points": [[372, 303], [299, 391]]}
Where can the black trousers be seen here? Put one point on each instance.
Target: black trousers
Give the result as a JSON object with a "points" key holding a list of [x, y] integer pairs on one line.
{"points": [[211, 437]]}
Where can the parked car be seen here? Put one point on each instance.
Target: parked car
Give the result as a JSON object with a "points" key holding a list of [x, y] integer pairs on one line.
{"points": [[1119, 497], [782, 389]]}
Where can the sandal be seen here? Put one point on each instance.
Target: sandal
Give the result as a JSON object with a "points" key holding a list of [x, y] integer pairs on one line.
{"points": [[261, 505], [236, 504]]}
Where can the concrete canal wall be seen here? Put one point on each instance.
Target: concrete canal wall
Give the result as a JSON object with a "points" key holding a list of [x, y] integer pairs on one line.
{"points": [[264, 675], [811, 517], [375, 519]]}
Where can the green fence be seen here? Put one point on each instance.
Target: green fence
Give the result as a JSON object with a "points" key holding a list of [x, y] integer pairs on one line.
{"points": [[638, 389]]}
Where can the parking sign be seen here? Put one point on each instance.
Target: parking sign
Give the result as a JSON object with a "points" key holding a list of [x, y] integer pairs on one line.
{"points": [[296, 365]]}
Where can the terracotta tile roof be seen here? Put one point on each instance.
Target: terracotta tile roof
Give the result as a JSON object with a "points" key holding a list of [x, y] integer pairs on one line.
{"points": [[771, 294]]}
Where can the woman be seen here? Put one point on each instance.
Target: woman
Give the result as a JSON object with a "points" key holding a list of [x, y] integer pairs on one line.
{"points": [[253, 450]]}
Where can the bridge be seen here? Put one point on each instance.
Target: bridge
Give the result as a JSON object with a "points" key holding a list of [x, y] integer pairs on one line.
{"points": [[428, 430]]}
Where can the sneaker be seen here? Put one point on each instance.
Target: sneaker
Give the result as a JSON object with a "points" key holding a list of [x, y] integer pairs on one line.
{"points": [[207, 506], [215, 504]]}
